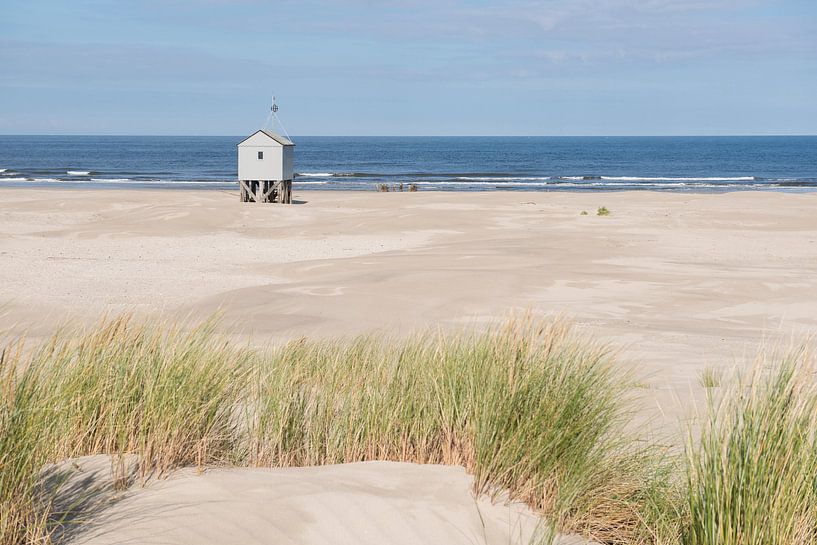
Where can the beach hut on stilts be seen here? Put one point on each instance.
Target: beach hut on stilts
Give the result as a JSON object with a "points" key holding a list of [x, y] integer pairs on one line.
{"points": [[265, 164]]}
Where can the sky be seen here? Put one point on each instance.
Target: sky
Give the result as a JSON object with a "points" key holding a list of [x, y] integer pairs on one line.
{"points": [[409, 67]]}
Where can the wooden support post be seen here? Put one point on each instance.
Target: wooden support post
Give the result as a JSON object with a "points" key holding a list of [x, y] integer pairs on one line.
{"points": [[265, 191], [269, 193], [244, 190]]}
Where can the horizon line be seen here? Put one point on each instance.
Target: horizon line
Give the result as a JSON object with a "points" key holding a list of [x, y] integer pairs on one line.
{"points": [[430, 135]]}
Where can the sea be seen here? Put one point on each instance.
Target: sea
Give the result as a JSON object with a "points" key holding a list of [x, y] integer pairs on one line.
{"points": [[680, 164]]}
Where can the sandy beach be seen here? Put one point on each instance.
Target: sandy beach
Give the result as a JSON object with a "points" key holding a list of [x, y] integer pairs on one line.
{"points": [[675, 283]]}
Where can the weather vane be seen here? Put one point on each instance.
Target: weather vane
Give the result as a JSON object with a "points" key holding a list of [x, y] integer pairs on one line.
{"points": [[272, 119]]}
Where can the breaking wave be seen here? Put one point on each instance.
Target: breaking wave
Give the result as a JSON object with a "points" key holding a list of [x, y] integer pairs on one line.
{"points": [[665, 178]]}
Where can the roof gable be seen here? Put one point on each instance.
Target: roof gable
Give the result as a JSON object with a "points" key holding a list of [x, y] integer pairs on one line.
{"points": [[277, 138]]}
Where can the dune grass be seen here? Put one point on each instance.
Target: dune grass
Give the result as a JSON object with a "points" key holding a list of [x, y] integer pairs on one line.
{"points": [[528, 408], [116, 390], [752, 477], [710, 377], [531, 410]]}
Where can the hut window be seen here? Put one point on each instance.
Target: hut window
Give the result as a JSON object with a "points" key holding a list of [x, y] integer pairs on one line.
{"points": [[260, 154]]}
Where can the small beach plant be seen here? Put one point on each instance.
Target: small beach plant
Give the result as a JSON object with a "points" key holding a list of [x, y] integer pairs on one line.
{"points": [[602, 211]]}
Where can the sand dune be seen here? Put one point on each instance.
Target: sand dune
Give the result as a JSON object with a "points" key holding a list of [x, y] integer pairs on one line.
{"points": [[365, 503]]}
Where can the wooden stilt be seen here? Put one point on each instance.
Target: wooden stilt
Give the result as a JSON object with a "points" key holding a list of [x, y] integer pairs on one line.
{"points": [[269, 189], [265, 191]]}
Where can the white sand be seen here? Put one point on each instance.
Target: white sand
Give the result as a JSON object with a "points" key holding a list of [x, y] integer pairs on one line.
{"points": [[372, 503], [677, 281]]}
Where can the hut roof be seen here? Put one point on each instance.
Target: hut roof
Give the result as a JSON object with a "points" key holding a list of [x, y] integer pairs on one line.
{"points": [[277, 137]]}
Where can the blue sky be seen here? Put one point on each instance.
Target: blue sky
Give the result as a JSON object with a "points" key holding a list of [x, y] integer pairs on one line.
{"points": [[420, 67]]}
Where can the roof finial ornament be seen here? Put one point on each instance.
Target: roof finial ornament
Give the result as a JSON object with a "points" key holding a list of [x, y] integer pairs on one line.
{"points": [[274, 107]]}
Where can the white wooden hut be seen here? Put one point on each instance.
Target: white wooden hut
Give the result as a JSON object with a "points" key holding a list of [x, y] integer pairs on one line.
{"points": [[265, 163]]}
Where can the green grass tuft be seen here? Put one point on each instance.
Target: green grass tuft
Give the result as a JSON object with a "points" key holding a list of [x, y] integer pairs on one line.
{"points": [[751, 477]]}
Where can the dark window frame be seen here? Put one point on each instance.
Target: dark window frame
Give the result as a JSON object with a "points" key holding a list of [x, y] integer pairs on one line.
{"points": [[261, 155]]}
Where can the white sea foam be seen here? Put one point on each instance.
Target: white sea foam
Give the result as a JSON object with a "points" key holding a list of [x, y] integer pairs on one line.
{"points": [[662, 178], [309, 183], [314, 174], [159, 182], [562, 185], [503, 178], [504, 182], [605, 178], [2, 170], [78, 172], [15, 179], [680, 179]]}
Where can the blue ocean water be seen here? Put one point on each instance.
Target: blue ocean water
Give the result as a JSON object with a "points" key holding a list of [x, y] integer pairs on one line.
{"points": [[433, 163]]}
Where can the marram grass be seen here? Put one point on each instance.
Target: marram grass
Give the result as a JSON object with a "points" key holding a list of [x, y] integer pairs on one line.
{"points": [[528, 408], [118, 389], [752, 477]]}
